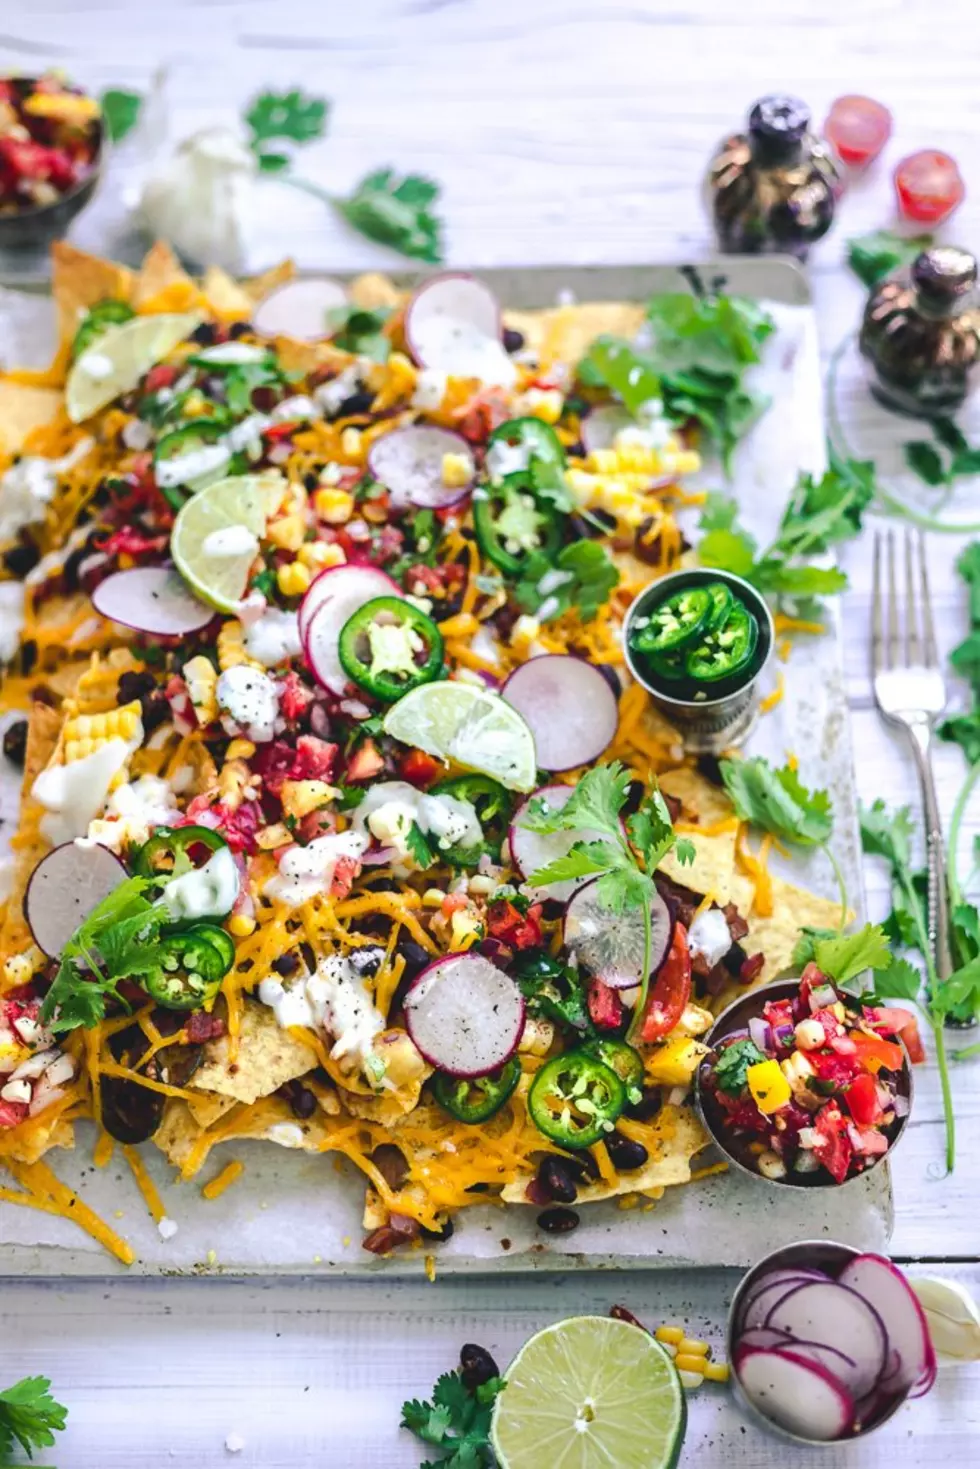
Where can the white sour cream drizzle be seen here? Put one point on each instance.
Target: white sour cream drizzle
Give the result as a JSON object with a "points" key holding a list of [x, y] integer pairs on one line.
{"points": [[306, 871], [207, 892], [334, 1000]]}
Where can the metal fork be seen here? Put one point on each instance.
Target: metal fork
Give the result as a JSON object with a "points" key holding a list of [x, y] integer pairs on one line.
{"points": [[910, 692]]}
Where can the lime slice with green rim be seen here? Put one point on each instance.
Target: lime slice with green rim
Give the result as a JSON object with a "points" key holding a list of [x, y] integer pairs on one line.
{"points": [[590, 1393], [216, 537], [114, 363], [477, 729]]}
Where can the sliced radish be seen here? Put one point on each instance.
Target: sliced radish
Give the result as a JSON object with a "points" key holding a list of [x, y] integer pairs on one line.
{"points": [[299, 309], [757, 1309], [889, 1294], [453, 326], [531, 850], [767, 1283], [800, 1396], [600, 427], [322, 638], [64, 888], [408, 462], [828, 1313], [570, 709], [465, 1015], [151, 599], [610, 946], [336, 581]]}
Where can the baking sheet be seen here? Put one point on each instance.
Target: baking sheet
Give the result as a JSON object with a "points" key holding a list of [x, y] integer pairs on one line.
{"points": [[298, 1214]]}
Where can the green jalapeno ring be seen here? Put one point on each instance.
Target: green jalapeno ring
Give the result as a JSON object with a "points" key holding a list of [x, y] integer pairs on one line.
{"points": [[620, 1056], [476, 1099], [534, 434], [491, 503], [676, 622], [173, 845], [369, 623], [722, 599], [726, 650], [97, 320], [575, 1099], [192, 965]]}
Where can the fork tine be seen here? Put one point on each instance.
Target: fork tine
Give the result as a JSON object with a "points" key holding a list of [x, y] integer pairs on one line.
{"points": [[876, 639], [931, 651], [912, 653], [892, 605]]}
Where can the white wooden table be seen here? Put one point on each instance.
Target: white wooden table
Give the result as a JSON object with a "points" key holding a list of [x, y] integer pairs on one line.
{"points": [[560, 133]]}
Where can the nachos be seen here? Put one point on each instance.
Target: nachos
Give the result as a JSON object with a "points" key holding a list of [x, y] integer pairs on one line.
{"points": [[285, 866]]}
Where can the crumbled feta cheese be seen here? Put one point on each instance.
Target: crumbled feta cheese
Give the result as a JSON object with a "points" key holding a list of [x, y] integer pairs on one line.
{"points": [[274, 637], [332, 394], [16, 1091], [167, 1227], [285, 1134], [430, 389], [503, 458], [249, 703], [137, 435], [299, 406], [709, 935]]}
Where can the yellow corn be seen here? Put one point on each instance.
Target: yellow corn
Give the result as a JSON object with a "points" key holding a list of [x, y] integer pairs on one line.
{"points": [[319, 554], [232, 781], [195, 405], [334, 506], [287, 532], [201, 678], [716, 1371], [351, 446], [671, 1335], [392, 382], [300, 797], [231, 647], [241, 925], [433, 898], [769, 1087], [457, 470], [689, 1363], [18, 970], [87, 733], [691, 1347], [293, 578], [543, 403], [240, 750]]}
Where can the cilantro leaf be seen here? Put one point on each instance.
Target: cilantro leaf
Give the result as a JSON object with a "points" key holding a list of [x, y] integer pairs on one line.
{"points": [[584, 860], [845, 957], [456, 1421], [900, 981], [804, 952], [729, 550], [963, 730], [395, 210], [594, 805], [887, 834], [715, 331], [293, 116], [967, 461], [719, 512], [875, 255], [733, 1063], [554, 990], [120, 112], [589, 573], [419, 848], [685, 851], [925, 460], [960, 992], [651, 830], [29, 1414], [614, 363], [777, 801], [778, 579], [356, 330]]}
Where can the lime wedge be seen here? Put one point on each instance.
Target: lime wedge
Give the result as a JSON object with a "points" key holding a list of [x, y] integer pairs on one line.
{"points": [[216, 537], [477, 729], [116, 360], [590, 1393]]}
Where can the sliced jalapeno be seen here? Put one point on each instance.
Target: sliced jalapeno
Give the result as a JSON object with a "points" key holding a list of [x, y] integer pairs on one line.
{"points": [[492, 805], [536, 440], [674, 623], [727, 649], [193, 963], [389, 647], [721, 602], [512, 525], [575, 1099], [96, 321], [478, 1098], [621, 1057], [193, 455], [172, 851]]}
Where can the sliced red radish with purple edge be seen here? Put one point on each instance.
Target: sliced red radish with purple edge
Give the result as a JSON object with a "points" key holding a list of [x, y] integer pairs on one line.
{"points": [[299, 309], [828, 1313], [335, 581], [913, 1360], [321, 642], [600, 427], [764, 1294], [611, 946], [465, 1015], [409, 463], [65, 887], [532, 850], [569, 708], [151, 599], [453, 326], [800, 1396]]}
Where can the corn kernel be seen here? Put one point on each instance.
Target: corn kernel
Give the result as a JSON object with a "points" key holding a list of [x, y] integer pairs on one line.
{"points": [[433, 898], [231, 647], [334, 506], [457, 471], [287, 532], [293, 579], [240, 750], [350, 444], [270, 837], [18, 970], [716, 1371], [241, 925], [319, 554], [194, 405], [689, 1362], [690, 1381], [672, 1334], [691, 1347]]}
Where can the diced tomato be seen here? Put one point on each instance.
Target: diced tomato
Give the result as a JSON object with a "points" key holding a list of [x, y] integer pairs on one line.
{"points": [[12, 1113], [319, 823], [419, 769], [365, 763], [440, 581], [294, 696], [929, 186], [179, 699], [161, 376], [840, 1070], [29, 160], [487, 411], [778, 1013], [833, 1147], [452, 903], [278, 761], [874, 1053], [859, 128], [670, 992], [895, 1021], [238, 827], [344, 875], [277, 432], [506, 922], [811, 979], [861, 1098], [605, 1006]]}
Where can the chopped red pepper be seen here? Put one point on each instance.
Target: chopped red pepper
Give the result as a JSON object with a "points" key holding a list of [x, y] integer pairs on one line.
{"points": [[670, 992], [419, 769], [833, 1147], [862, 1100], [129, 542], [506, 922], [873, 1052]]}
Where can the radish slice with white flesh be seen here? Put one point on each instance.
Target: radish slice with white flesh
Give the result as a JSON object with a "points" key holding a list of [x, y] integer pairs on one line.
{"points": [[409, 463], [827, 1313], [610, 946], [151, 599], [532, 850], [800, 1396], [64, 888], [453, 326], [336, 581], [465, 1015], [299, 309], [570, 709], [321, 643], [768, 1289], [886, 1290], [600, 427]]}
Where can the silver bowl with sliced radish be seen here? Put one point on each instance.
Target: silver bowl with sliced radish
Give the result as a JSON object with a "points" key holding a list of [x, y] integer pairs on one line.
{"points": [[568, 706], [827, 1343], [453, 326], [331, 601], [299, 309], [465, 1015], [415, 463], [611, 946], [64, 888], [152, 600]]}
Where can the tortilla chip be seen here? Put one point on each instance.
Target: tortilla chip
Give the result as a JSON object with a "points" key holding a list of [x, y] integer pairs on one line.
{"points": [[268, 1057], [307, 357], [78, 280], [208, 1107], [713, 868], [162, 283], [700, 800], [257, 287], [372, 291], [43, 729], [22, 410], [565, 333], [271, 1120], [225, 296]]}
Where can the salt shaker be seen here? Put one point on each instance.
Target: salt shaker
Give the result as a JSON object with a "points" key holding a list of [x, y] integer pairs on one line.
{"points": [[775, 186], [920, 336]]}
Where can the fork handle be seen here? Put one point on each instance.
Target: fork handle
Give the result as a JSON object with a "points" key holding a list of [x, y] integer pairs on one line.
{"points": [[937, 887]]}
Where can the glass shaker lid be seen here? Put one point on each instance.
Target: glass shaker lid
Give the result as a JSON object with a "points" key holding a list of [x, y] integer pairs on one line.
{"points": [[778, 123], [943, 276]]}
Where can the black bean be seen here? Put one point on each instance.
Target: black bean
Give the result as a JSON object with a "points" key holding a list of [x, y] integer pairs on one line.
{"points": [[476, 1365], [286, 964], [308, 956], [710, 767], [69, 572], [513, 339], [577, 449], [558, 1221], [239, 329], [414, 955], [625, 1153], [359, 402], [734, 960], [21, 559], [154, 710], [302, 1101], [557, 1180], [15, 742], [646, 1108], [438, 1236], [28, 655], [134, 685], [311, 481], [635, 792], [205, 334]]}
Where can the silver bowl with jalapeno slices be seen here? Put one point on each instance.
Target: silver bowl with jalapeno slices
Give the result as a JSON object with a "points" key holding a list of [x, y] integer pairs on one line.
{"points": [[697, 641]]}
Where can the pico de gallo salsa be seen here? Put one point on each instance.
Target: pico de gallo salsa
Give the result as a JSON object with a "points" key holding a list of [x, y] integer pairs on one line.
{"points": [[50, 137], [815, 1088]]}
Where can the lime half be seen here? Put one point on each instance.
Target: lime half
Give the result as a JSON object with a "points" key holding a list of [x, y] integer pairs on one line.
{"points": [[477, 729], [216, 537], [590, 1393], [119, 357]]}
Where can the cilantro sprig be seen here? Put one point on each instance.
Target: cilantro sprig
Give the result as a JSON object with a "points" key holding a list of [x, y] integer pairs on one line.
{"points": [[623, 865], [873, 256], [964, 729], [945, 460], [731, 1068], [455, 1422], [120, 112], [283, 117], [589, 578], [29, 1416]]}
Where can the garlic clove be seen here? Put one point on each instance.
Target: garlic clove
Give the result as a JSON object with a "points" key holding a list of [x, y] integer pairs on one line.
{"points": [[953, 1317]]}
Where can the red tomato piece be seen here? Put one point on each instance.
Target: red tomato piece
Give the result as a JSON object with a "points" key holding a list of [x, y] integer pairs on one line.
{"points": [[506, 922], [419, 769], [670, 992], [833, 1147], [859, 128], [605, 1006], [862, 1100], [929, 186], [161, 376]]}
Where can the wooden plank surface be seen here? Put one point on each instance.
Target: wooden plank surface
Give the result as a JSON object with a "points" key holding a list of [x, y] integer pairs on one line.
{"points": [[561, 133]]}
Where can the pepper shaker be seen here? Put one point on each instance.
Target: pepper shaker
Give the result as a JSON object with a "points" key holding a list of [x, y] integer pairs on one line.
{"points": [[774, 187], [920, 336]]}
